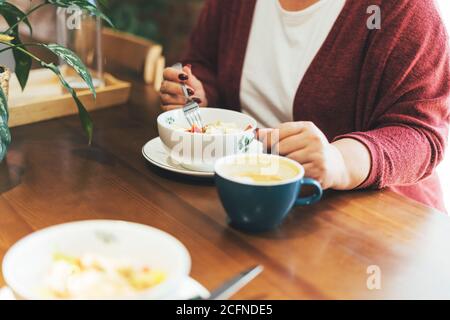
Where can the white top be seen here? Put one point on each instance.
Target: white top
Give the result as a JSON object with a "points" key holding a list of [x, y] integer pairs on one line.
{"points": [[281, 47]]}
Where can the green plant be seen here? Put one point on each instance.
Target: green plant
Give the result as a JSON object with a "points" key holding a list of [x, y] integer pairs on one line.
{"points": [[23, 58]]}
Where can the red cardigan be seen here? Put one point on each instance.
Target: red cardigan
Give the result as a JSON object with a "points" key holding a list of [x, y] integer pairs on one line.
{"points": [[387, 88]]}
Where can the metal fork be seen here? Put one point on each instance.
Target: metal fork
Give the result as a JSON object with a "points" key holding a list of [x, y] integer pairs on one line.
{"points": [[191, 108], [232, 286]]}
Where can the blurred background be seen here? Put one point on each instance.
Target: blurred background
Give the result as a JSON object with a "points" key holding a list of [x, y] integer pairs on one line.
{"points": [[169, 23]]}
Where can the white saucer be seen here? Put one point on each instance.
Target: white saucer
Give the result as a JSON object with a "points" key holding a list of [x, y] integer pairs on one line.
{"points": [[157, 155], [189, 289]]}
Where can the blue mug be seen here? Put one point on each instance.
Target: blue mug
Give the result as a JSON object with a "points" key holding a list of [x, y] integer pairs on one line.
{"points": [[259, 190]]}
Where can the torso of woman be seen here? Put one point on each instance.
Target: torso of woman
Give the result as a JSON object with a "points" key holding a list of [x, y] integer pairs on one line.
{"points": [[387, 88], [282, 44]]}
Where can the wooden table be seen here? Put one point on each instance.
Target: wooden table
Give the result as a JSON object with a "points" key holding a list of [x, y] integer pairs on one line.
{"points": [[324, 251]]}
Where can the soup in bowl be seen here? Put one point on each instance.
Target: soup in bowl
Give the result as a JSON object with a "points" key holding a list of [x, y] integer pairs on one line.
{"points": [[224, 133]]}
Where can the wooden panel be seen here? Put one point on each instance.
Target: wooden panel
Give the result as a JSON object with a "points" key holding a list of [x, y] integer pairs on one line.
{"points": [[44, 98], [159, 70], [121, 50], [132, 52]]}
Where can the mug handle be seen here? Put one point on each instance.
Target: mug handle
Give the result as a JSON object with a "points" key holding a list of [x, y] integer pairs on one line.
{"points": [[306, 201]]}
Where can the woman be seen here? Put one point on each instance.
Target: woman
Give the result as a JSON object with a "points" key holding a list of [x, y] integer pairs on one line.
{"points": [[359, 107]]}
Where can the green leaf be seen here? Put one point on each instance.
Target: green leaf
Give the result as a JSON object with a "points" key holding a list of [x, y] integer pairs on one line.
{"points": [[12, 11], [103, 3], [23, 61], [85, 118], [74, 61], [86, 5], [5, 135]]}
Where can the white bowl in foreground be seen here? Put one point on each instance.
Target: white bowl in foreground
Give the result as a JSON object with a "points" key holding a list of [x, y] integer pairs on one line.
{"points": [[27, 263], [199, 151]]}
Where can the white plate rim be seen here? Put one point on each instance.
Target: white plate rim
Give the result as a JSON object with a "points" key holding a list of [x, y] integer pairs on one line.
{"points": [[173, 169]]}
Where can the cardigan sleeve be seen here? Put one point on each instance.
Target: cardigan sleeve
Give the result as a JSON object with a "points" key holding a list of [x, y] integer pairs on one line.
{"points": [[202, 51], [408, 127]]}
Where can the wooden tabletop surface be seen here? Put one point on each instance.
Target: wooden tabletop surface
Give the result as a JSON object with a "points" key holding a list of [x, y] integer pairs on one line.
{"points": [[324, 251]]}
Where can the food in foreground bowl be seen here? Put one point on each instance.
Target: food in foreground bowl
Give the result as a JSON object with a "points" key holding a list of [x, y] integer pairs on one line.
{"points": [[218, 127], [93, 276]]}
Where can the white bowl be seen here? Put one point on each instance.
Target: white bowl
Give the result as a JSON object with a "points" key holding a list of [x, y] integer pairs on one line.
{"points": [[26, 264], [199, 152]]}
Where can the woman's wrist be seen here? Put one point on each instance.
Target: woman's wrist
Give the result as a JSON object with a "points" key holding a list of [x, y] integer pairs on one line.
{"points": [[353, 164], [341, 176]]}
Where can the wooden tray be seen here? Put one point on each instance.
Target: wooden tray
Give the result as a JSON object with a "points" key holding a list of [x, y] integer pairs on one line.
{"points": [[44, 98]]}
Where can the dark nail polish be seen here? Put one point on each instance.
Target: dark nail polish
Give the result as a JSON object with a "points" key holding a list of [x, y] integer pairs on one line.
{"points": [[183, 77], [197, 100], [190, 92]]}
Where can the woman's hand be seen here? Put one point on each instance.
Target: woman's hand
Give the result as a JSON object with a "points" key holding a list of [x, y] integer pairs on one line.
{"points": [[171, 94], [342, 165]]}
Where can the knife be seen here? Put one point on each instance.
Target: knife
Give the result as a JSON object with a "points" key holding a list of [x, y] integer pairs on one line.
{"points": [[235, 284]]}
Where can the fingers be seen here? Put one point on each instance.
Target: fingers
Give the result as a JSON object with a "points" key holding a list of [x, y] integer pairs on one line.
{"points": [[291, 144], [311, 171], [302, 156], [174, 75], [309, 138], [192, 81], [292, 128], [309, 168], [171, 91], [174, 88], [188, 70], [270, 137]]}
